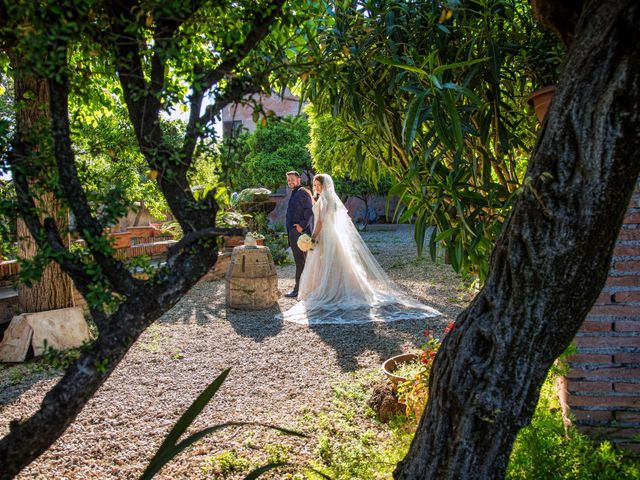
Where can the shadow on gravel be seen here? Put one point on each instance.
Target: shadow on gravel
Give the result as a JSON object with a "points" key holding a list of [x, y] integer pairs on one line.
{"points": [[12, 392], [257, 325], [384, 339]]}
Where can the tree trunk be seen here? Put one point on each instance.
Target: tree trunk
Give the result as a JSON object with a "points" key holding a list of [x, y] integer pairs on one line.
{"points": [[550, 263], [54, 289]]}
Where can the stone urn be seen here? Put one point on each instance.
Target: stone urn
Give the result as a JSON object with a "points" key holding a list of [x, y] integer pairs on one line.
{"points": [[251, 282]]}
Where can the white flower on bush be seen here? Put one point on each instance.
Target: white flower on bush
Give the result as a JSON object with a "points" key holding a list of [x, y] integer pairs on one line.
{"points": [[305, 242]]}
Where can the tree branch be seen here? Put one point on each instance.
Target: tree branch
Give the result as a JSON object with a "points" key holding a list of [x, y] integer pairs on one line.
{"points": [[261, 22], [114, 270]]}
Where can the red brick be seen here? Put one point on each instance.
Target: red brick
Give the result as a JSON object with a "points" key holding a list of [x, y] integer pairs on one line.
{"points": [[604, 401], [627, 326], [609, 432], [9, 268], [635, 201], [627, 357], [631, 449], [624, 281], [632, 218], [606, 341], [627, 387], [627, 266], [604, 373], [629, 234], [593, 415], [627, 416], [620, 297], [593, 326], [592, 358], [582, 386], [604, 298], [619, 310], [627, 250]]}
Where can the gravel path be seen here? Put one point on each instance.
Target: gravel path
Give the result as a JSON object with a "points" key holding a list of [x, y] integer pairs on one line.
{"points": [[280, 372]]}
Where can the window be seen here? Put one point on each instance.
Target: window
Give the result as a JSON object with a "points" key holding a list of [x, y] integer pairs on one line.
{"points": [[231, 128]]}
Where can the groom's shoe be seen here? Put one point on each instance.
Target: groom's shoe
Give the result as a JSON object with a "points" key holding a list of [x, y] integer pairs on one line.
{"points": [[291, 294]]}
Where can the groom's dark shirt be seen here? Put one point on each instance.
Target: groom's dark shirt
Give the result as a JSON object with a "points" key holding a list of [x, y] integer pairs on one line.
{"points": [[299, 210]]}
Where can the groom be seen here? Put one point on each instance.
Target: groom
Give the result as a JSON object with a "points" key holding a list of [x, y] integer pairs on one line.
{"points": [[299, 221]]}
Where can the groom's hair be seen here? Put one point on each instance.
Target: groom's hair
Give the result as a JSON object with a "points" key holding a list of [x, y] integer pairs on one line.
{"points": [[293, 172]]}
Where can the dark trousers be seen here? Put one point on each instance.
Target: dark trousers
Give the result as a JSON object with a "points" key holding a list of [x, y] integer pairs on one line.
{"points": [[298, 255]]}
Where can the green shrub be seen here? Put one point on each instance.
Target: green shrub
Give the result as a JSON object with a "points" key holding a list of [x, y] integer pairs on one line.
{"points": [[223, 464], [543, 450], [278, 244]]}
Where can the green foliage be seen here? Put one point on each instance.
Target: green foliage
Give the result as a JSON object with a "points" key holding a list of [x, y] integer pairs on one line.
{"points": [[351, 443], [544, 450], [8, 220], [224, 464], [278, 245], [431, 94], [271, 151]]}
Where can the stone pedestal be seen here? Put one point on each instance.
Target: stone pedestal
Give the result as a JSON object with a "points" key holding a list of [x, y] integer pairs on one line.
{"points": [[251, 280]]}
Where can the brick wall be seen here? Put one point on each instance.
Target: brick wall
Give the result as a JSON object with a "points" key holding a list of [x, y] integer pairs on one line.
{"points": [[603, 384]]}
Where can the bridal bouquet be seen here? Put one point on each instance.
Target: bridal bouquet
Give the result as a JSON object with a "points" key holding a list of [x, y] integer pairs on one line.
{"points": [[305, 242]]}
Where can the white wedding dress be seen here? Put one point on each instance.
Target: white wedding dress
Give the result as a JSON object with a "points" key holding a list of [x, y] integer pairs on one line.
{"points": [[342, 283]]}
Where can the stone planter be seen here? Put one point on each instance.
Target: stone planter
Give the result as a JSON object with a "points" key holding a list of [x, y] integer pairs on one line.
{"points": [[392, 364], [251, 282]]}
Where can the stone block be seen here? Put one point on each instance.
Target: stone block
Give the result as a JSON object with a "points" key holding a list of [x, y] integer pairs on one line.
{"points": [[61, 329], [16, 340]]}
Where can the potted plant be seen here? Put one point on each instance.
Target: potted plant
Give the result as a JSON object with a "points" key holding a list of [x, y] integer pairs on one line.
{"points": [[541, 61], [409, 372], [232, 219], [254, 238]]}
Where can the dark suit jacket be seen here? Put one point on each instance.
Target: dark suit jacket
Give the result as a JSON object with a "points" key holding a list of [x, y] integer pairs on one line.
{"points": [[299, 210]]}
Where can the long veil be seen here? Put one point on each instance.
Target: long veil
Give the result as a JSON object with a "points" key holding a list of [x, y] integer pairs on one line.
{"points": [[342, 282]]}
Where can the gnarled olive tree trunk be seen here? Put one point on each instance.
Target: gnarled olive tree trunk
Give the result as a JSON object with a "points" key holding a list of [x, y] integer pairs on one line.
{"points": [[550, 263]]}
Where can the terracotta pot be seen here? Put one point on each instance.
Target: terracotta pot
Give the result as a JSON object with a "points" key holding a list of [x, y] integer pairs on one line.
{"points": [[540, 100], [391, 364]]}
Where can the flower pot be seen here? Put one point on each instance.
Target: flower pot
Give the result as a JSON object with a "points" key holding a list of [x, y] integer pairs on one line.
{"points": [[540, 100], [391, 364]]}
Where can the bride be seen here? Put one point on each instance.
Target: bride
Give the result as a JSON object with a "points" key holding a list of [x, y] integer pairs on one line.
{"points": [[342, 282]]}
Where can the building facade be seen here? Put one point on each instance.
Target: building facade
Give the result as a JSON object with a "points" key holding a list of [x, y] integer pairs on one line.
{"points": [[236, 117]]}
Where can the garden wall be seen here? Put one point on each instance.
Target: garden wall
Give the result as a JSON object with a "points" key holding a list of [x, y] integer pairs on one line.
{"points": [[603, 383]]}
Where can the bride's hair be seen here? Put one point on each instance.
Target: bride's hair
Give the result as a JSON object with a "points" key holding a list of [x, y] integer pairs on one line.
{"points": [[320, 178]]}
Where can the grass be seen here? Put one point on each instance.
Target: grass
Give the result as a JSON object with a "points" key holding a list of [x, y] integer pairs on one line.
{"points": [[151, 340], [353, 445]]}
